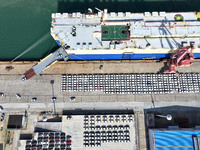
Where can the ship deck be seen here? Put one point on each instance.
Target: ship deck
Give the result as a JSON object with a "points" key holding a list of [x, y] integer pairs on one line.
{"points": [[118, 31]]}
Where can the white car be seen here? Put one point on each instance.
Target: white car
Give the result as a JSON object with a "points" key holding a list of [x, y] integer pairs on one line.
{"points": [[34, 99], [2, 116], [23, 79], [53, 99], [18, 96], [73, 98]]}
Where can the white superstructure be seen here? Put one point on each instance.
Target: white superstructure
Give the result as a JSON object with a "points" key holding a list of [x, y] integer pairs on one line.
{"points": [[119, 33]]}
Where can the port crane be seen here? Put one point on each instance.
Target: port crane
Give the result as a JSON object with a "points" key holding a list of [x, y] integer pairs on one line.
{"points": [[182, 57]]}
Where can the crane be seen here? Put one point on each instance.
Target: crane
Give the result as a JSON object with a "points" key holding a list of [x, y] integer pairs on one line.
{"points": [[182, 57]]}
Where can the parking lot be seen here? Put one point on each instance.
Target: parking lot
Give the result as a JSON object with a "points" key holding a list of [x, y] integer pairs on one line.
{"points": [[109, 131], [81, 132], [101, 131]]}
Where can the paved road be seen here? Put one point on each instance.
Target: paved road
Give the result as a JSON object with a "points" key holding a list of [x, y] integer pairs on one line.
{"points": [[136, 106], [41, 88]]}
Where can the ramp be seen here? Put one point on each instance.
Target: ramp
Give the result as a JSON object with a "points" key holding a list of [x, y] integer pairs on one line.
{"points": [[46, 62]]}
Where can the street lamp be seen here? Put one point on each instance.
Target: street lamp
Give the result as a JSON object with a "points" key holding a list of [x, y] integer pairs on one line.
{"points": [[53, 99], [168, 117]]}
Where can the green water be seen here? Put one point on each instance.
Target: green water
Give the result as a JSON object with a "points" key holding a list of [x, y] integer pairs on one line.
{"points": [[24, 22]]}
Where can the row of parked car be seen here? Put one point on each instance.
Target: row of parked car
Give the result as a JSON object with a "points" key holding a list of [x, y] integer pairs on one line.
{"points": [[108, 118], [1, 108], [92, 141], [34, 99], [50, 141], [46, 147], [2, 116], [108, 127]]}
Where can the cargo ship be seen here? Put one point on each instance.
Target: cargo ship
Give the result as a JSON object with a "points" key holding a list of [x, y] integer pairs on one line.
{"points": [[119, 36], [124, 36]]}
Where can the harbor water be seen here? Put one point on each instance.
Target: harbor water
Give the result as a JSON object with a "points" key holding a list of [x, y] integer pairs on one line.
{"points": [[25, 24]]}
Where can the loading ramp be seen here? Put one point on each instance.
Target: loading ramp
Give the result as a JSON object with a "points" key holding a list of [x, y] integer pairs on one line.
{"points": [[59, 54]]}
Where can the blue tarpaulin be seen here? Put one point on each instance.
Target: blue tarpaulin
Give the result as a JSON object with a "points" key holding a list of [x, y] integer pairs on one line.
{"points": [[175, 140]]}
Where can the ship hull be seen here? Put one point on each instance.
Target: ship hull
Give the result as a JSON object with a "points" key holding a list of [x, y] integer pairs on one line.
{"points": [[123, 56]]}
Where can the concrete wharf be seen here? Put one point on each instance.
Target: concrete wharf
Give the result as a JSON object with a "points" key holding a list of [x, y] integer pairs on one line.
{"points": [[40, 87]]}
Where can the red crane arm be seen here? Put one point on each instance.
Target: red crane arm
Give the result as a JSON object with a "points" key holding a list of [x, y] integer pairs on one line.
{"points": [[180, 58]]}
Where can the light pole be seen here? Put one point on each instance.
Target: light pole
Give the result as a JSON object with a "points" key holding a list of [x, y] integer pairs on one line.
{"points": [[53, 99], [168, 117]]}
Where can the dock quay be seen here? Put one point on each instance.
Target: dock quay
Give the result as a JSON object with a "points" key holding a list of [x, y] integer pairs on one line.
{"points": [[92, 67], [49, 84], [40, 86]]}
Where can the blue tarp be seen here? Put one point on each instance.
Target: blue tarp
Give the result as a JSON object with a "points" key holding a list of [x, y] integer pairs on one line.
{"points": [[174, 148], [175, 140], [177, 132]]}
